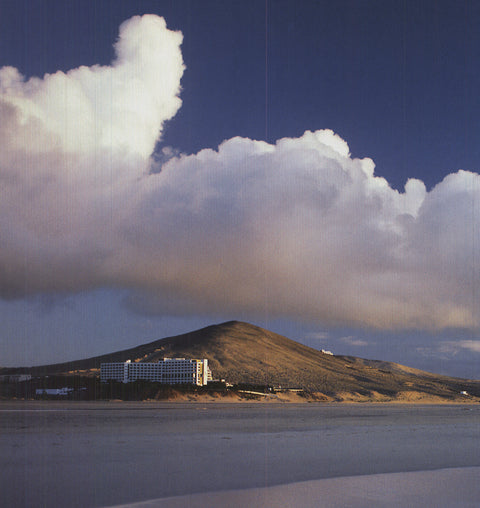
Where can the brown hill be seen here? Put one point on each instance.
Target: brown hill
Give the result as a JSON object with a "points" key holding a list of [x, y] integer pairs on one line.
{"points": [[244, 353]]}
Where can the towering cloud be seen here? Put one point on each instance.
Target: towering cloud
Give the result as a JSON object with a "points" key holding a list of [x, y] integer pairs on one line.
{"points": [[299, 227], [72, 147]]}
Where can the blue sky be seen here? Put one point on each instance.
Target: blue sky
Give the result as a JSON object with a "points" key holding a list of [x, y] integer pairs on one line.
{"points": [[356, 265]]}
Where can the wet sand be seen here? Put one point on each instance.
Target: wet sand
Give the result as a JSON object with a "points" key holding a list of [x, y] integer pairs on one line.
{"points": [[444, 488], [107, 454]]}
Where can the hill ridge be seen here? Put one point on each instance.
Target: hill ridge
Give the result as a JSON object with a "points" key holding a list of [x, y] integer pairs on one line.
{"points": [[245, 353]]}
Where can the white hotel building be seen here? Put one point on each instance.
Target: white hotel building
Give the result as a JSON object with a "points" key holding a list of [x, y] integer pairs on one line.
{"points": [[168, 371]]}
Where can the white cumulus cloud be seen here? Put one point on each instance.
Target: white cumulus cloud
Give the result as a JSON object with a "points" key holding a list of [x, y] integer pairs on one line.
{"points": [[72, 147], [299, 227]]}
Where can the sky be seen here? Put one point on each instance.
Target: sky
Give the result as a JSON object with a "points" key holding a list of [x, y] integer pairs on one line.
{"points": [[310, 167]]}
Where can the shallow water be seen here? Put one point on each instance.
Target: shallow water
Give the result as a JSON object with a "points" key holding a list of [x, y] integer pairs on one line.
{"points": [[111, 453]]}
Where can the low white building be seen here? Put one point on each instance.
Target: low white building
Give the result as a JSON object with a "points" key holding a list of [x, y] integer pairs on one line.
{"points": [[168, 371], [54, 391]]}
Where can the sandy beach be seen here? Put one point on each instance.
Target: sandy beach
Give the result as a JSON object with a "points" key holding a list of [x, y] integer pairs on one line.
{"points": [[444, 488], [100, 454]]}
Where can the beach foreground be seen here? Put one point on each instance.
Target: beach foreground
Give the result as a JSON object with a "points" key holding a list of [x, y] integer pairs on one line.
{"points": [[444, 488], [218, 454]]}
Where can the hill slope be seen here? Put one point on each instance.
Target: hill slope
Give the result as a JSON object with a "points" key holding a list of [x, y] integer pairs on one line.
{"points": [[241, 352]]}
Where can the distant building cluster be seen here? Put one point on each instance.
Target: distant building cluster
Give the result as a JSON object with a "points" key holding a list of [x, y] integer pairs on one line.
{"points": [[168, 371], [15, 378]]}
